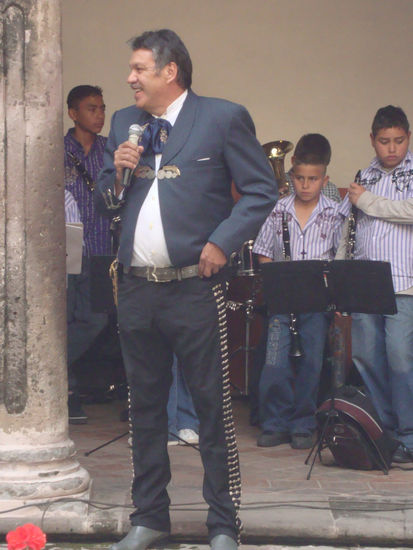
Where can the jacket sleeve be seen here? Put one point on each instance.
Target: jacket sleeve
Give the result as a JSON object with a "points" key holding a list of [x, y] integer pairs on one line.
{"points": [[386, 209], [254, 180]]}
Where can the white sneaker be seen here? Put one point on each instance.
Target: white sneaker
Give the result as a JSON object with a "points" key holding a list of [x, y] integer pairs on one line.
{"points": [[189, 436], [172, 442]]}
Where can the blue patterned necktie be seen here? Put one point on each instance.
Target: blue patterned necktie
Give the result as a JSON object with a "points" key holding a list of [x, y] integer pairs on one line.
{"points": [[155, 135]]}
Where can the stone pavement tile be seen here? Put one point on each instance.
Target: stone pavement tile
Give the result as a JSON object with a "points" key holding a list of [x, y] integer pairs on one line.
{"points": [[345, 487], [395, 489]]}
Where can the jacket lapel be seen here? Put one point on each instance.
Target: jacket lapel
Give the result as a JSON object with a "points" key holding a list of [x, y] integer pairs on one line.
{"points": [[181, 129]]}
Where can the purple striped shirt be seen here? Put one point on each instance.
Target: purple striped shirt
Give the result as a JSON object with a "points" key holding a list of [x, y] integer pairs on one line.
{"points": [[378, 239], [317, 241], [95, 227]]}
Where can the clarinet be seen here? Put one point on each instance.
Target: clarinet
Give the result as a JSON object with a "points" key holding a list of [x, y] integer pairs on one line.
{"points": [[295, 348], [339, 374], [352, 224]]}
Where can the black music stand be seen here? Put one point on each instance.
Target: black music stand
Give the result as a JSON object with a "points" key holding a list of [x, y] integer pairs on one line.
{"points": [[351, 286], [311, 286]]}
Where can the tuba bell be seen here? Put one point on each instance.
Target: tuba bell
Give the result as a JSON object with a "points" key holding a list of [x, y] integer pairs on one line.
{"points": [[276, 152]]}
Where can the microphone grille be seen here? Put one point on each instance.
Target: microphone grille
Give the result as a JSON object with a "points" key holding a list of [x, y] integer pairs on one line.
{"points": [[135, 130]]}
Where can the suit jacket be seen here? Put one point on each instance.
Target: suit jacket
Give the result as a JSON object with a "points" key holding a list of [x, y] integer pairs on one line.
{"points": [[211, 143]]}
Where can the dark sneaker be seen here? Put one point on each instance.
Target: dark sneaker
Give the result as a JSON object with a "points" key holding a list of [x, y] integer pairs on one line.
{"points": [[76, 414], [302, 441], [272, 439], [403, 455]]}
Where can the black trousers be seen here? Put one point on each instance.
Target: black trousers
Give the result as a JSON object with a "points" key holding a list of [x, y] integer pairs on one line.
{"points": [[186, 317]]}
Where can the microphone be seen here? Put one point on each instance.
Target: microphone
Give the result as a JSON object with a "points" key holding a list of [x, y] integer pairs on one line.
{"points": [[135, 132]]}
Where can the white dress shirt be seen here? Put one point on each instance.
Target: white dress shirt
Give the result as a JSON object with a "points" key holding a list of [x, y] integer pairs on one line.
{"points": [[149, 246]]}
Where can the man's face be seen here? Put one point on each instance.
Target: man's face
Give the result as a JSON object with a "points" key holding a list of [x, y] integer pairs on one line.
{"points": [[149, 84], [391, 146], [309, 180], [89, 115]]}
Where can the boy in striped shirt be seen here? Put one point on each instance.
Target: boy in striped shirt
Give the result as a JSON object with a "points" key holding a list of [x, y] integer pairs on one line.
{"points": [[287, 391], [382, 345]]}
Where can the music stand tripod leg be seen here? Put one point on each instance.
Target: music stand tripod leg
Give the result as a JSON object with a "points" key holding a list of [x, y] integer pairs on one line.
{"points": [[318, 445]]}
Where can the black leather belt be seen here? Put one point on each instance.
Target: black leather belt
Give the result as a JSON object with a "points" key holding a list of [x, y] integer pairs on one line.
{"points": [[163, 274]]}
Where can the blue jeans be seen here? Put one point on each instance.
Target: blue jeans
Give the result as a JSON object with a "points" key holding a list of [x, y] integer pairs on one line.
{"points": [[83, 325], [382, 348], [288, 392], [181, 411]]}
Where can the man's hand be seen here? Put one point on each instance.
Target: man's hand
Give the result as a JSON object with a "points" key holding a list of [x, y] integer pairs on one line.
{"points": [[354, 192], [211, 260], [127, 155]]}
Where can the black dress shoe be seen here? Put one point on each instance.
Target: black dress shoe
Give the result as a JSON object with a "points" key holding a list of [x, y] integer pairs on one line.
{"points": [[223, 542], [403, 455], [272, 439], [139, 538]]}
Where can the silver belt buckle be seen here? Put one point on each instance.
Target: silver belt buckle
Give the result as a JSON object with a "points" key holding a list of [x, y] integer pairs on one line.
{"points": [[154, 277]]}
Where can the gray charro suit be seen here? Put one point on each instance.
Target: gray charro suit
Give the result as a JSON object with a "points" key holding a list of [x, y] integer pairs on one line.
{"points": [[211, 143]]}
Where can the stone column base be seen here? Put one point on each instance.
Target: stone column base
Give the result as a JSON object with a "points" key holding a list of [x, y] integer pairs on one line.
{"points": [[41, 472]]}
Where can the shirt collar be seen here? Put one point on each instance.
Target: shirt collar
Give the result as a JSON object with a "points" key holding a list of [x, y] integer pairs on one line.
{"points": [[405, 163], [322, 204], [173, 110], [77, 145]]}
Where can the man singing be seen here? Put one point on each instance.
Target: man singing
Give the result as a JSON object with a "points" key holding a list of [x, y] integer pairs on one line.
{"points": [[179, 227]]}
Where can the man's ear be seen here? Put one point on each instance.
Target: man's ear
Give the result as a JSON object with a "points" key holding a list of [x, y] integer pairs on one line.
{"points": [[171, 71], [72, 112]]}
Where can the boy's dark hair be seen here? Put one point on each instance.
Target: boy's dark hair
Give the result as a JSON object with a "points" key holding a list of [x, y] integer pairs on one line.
{"points": [[389, 117], [312, 149], [166, 46], [78, 93]]}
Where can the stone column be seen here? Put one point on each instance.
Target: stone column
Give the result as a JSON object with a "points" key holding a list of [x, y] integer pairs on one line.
{"points": [[37, 460]]}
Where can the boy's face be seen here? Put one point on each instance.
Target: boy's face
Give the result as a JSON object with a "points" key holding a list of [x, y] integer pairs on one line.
{"points": [[309, 180], [89, 115], [391, 145]]}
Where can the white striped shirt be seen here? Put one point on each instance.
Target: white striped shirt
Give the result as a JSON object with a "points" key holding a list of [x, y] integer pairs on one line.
{"points": [[72, 214], [382, 240], [317, 241]]}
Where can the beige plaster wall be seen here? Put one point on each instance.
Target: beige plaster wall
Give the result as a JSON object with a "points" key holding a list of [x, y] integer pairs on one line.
{"points": [[298, 65]]}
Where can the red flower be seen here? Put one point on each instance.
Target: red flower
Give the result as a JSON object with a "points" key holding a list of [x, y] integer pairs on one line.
{"points": [[27, 536]]}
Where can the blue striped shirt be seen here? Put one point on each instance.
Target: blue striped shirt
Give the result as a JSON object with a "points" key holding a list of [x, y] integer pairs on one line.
{"points": [[96, 232], [381, 240], [317, 241]]}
